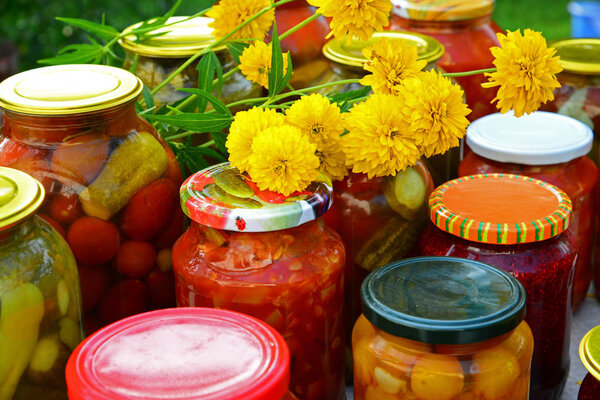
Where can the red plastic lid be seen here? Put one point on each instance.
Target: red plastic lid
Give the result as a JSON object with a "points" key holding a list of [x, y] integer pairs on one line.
{"points": [[181, 353]]}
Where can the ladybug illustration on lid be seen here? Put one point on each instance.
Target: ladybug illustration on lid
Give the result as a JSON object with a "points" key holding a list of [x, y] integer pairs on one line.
{"points": [[240, 223]]}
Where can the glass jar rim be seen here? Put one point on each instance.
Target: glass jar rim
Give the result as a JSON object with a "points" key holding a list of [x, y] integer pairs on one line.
{"points": [[20, 196], [589, 352], [579, 56], [444, 10]]}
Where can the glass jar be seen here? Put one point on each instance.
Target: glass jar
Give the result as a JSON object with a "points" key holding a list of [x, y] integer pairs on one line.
{"points": [[40, 302], [467, 32], [379, 220], [589, 352], [551, 148], [181, 353], [441, 328], [158, 57], [111, 181], [518, 224], [579, 95], [271, 257]]}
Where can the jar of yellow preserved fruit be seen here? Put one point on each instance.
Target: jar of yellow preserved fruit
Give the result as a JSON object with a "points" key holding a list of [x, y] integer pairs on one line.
{"points": [[441, 328]]}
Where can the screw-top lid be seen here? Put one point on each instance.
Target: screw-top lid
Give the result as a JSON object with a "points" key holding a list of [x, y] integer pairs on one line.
{"points": [[442, 10], [581, 56], [222, 198], [589, 352], [340, 51], [20, 196], [181, 353], [540, 138], [500, 209], [68, 89], [182, 37], [443, 300]]}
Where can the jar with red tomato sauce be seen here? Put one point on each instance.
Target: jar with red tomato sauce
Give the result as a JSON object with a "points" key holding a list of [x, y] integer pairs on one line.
{"points": [[518, 224], [549, 147], [466, 30], [272, 257], [589, 352], [442, 328], [111, 182], [181, 353]]}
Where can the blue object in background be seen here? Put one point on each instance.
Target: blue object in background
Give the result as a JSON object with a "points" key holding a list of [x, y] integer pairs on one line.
{"points": [[585, 19]]}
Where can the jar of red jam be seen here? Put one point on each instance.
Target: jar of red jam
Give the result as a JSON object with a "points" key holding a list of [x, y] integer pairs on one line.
{"points": [[181, 353], [549, 147], [467, 32], [441, 328], [157, 57], [272, 257], [518, 224], [579, 94], [589, 352], [111, 182]]}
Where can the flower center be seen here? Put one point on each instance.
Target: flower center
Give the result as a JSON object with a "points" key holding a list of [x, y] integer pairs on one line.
{"points": [[280, 167], [316, 129]]}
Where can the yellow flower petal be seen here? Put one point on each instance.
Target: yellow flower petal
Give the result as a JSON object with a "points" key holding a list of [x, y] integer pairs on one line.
{"points": [[229, 14], [255, 63]]}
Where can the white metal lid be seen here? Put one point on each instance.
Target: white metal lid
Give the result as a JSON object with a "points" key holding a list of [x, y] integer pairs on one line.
{"points": [[539, 138]]}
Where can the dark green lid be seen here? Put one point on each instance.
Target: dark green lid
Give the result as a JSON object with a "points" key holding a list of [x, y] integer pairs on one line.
{"points": [[443, 300]]}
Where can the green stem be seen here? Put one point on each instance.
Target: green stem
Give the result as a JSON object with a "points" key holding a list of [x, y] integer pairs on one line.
{"points": [[299, 26], [468, 73], [193, 97], [179, 136], [207, 144]]}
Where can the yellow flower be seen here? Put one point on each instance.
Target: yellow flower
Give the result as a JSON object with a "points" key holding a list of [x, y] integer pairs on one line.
{"points": [[380, 141], [526, 72], [229, 14], [283, 160], [245, 126], [358, 18], [434, 109], [332, 159], [390, 62], [317, 118], [255, 63]]}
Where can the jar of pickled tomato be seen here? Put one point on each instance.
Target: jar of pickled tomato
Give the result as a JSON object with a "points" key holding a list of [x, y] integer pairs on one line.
{"points": [[549, 147], [40, 302], [579, 94], [441, 328], [111, 182], [155, 58], [181, 353], [467, 32], [518, 224], [272, 257], [589, 352]]}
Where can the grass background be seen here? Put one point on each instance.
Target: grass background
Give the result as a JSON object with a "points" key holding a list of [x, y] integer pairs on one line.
{"points": [[30, 24]]}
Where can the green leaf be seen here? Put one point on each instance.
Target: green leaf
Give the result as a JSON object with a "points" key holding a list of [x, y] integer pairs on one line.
{"points": [[134, 63], [206, 73], [220, 139], [288, 75], [205, 151], [195, 122], [105, 32], [148, 98], [76, 54], [344, 100], [276, 72], [236, 50], [219, 71], [219, 106]]}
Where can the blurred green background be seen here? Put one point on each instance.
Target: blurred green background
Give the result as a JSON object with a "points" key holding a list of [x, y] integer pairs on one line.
{"points": [[31, 24]]}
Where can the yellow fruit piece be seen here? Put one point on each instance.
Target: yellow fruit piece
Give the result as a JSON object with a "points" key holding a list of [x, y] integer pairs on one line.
{"points": [[62, 297], [389, 383], [21, 311], [520, 343], [364, 362], [70, 332], [521, 389], [405, 193], [136, 162], [495, 372], [375, 393], [45, 353], [437, 377], [164, 260]]}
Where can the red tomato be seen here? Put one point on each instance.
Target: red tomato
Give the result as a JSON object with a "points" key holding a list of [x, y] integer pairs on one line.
{"points": [[124, 299], [33, 161], [93, 241], [170, 235], [54, 224], [65, 208], [161, 286], [135, 259], [94, 282], [80, 159], [149, 212]]}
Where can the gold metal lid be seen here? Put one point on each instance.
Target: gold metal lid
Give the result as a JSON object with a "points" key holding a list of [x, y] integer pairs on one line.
{"points": [[442, 10], [589, 352], [68, 89], [350, 54], [180, 40], [581, 56], [20, 196]]}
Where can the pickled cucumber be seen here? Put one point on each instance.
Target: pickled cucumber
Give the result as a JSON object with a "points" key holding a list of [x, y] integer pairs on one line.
{"points": [[405, 193], [232, 181]]}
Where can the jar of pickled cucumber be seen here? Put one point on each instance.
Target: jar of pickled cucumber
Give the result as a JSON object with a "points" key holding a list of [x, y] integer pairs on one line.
{"points": [[589, 352], [111, 182], [182, 354], [520, 225], [156, 58], [466, 30], [40, 302], [272, 257], [441, 328]]}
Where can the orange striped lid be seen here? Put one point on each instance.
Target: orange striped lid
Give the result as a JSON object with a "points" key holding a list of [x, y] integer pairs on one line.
{"points": [[500, 209]]}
